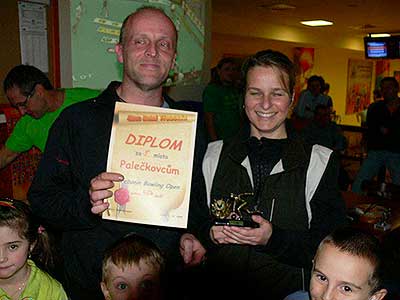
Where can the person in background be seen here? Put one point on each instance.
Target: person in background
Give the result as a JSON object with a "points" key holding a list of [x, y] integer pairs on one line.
{"points": [[24, 246], [311, 97], [132, 269], [348, 265], [383, 136], [29, 90], [293, 196], [323, 131], [221, 101], [76, 154]]}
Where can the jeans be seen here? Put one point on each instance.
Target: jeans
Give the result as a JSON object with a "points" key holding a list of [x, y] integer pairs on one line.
{"points": [[371, 165]]}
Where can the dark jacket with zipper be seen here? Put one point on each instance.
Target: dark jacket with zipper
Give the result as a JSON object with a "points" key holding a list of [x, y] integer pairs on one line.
{"points": [[283, 265], [75, 153]]}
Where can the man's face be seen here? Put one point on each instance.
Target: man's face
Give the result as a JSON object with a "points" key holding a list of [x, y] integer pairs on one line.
{"points": [[33, 104], [315, 87], [339, 275], [148, 49], [389, 90], [228, 73]]}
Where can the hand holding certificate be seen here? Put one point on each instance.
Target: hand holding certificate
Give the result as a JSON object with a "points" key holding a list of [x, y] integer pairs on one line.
{"points": [[153, 148]]}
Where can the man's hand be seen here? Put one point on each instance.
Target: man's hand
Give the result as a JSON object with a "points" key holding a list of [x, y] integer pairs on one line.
{"points": [[243, 235], [98, 190], [191, 250]]}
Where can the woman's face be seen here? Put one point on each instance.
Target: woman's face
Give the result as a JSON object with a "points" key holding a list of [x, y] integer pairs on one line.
{"points": [[267, 102]]}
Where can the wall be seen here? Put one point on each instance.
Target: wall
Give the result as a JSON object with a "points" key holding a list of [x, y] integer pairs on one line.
{"points": [[9, 41]]}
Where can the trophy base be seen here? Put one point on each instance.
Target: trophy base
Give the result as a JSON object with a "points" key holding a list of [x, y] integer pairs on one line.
{"points": [[238, 223]]}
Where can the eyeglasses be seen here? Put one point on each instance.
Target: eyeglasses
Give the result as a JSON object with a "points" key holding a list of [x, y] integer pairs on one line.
{"points": [[25, 103]]}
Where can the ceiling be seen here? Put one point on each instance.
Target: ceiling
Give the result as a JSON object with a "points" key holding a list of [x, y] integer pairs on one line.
{"points": [[350, 17]]}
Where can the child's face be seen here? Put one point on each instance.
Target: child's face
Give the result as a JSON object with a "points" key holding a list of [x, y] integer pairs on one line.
{"points": [[339, 275], [14, 252], [134, 282]]}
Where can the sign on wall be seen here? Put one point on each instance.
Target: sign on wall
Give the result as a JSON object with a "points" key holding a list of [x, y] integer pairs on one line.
{"points": [[359, 79], [303, 59]]}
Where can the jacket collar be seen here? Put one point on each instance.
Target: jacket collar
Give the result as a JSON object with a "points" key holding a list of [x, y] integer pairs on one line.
{"points": [[110, 96], [294, 155]]}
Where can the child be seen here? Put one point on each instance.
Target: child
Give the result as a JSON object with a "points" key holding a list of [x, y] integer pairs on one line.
{"points": [[347, 265], [22, 237], [132, 269]]}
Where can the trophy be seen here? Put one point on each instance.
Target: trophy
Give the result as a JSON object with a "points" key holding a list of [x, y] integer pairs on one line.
{"points": [[233, 211]]}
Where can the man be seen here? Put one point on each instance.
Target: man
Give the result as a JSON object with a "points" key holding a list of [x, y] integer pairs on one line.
{"points": [[383, 136], [221, 101], [29, 90], [311, 97], [347, 265], [76, 156], [323, 131]]}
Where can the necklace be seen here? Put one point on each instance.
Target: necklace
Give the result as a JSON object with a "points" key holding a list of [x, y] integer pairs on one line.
{"points": [[21, 286]]}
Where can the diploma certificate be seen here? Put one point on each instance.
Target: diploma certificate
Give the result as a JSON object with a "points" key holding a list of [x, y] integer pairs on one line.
{"points": [[153, 148]]}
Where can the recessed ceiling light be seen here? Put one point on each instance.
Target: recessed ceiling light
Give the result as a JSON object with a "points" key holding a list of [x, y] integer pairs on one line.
{"points": [[317, 23], [282, 6], [375, 35]]}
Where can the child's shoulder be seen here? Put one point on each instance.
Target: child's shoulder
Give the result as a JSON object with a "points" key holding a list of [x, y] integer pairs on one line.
{"points": [[42, 286]]}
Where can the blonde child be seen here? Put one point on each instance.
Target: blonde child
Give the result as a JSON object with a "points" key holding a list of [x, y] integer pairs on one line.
{"points": [[21, 238], [132, 269]]}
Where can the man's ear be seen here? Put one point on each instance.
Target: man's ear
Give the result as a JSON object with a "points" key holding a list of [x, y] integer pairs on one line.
{"points": [[174, 61], [119, 51], [105, 291], [379, 295]]}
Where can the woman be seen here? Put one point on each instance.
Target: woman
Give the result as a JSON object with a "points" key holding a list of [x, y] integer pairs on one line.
{"points": [[294, 186]]}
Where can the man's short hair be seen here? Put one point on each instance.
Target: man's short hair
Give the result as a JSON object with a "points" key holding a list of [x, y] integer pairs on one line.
{"points": [[140, 9], [359, 243], [320, 79], [131, 250], [25, 77]]}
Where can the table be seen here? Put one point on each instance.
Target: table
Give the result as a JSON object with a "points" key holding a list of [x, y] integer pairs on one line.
{"points": [[352, 200]]}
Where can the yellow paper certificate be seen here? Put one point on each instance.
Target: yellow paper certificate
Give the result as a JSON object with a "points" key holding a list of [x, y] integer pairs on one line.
{"points": [[153, 148]]}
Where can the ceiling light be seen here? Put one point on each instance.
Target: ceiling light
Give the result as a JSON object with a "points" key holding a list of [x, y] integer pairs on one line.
{"points": [[317, 23], [282, 6], [375, 35]]}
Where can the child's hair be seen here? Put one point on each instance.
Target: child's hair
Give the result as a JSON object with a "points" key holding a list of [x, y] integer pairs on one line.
{"points": [[18, 216], [130, 250], [359, 243]]}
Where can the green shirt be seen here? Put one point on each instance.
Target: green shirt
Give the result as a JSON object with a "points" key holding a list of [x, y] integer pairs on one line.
{"points": [[29, 132], [224, 102], [40, 286]]}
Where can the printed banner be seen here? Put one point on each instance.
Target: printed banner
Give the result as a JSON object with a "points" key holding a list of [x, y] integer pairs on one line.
{"points": [[303, 59], [359, 79], [153, 148]]}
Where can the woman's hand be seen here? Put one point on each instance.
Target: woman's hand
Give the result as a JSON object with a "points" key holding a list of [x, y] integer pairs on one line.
{"points": [[99, 190], [243, 235]]}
